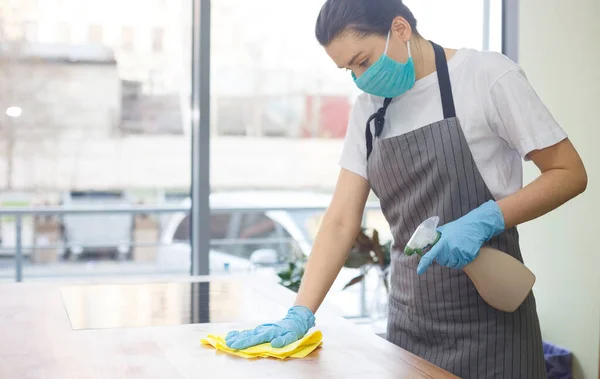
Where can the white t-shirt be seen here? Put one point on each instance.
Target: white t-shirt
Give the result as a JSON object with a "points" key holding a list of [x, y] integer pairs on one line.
{"points": [[502, 117]]}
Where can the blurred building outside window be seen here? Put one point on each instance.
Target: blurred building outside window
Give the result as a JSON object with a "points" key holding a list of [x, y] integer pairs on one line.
{"points": [[127, 38], [63, 33], [157, 39], [95, 34]]}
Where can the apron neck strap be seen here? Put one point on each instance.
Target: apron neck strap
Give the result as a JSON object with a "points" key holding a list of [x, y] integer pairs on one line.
{"points": [[379, 119], [441, 66]]}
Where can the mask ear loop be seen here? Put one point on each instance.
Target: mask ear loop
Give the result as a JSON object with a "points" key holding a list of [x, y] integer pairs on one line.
{"points": [[387, 44]]}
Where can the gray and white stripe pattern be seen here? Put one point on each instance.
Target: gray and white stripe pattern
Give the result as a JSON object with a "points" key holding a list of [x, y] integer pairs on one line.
{"points": [[439, 315]]}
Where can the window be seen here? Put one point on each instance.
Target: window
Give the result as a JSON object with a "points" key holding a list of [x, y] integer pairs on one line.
{"points": [[127, 38], [95, 34], [72, 98], [255, 230], [219, 227], [266, 233], [255, 225], [158, 35], [182, 233], [480, 22]]}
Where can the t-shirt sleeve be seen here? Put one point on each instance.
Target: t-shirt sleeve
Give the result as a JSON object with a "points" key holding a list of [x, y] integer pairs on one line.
{"points": [[519, 115], [354, 151]]}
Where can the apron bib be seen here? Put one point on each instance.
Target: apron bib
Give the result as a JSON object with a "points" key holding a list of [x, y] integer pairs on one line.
{"points": [[439, 316]]}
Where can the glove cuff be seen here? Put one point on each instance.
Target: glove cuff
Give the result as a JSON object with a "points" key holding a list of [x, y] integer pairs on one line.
{"points": [[492, 218], [302, 315]]}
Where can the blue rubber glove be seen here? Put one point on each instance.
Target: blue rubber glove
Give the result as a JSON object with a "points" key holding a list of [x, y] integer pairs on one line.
{"points": [[461, 239], [282, 333]]}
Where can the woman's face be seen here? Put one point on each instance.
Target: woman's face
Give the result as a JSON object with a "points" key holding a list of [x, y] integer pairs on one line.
{"points": [[356, 53]]}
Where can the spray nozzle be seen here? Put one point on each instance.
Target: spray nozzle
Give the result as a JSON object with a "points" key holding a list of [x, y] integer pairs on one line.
{"points": [[425, 236]]}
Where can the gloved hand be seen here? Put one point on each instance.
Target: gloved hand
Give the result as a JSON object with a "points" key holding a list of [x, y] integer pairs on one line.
{"points": [[282, 333], [461, 239]]}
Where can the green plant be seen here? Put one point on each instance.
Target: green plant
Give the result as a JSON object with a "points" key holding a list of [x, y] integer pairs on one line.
{"points": [[367, 253], [291, 276]]}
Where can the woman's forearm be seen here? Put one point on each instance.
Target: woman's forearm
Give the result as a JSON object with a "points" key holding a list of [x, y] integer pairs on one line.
{"points": [[549, 191], [330, 251]]}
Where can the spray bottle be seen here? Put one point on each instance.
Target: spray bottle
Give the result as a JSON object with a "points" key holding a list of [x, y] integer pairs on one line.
{"points": [[500, 279]]}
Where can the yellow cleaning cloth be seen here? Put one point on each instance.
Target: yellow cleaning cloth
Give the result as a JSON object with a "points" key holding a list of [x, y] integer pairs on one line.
{"points": [[298, 349]]}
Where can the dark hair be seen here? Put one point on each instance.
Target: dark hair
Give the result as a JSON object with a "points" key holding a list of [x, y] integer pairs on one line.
{"points": [[363, 17]]}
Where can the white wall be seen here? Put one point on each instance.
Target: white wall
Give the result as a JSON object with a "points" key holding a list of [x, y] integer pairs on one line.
{"points": [[559, 48]]}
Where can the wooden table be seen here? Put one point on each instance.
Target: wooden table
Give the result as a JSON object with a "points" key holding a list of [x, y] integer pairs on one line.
{"points": [[151, 329]]}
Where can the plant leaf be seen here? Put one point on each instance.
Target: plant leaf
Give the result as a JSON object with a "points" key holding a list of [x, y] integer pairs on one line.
{"points": [[378, 249], [358, 279]]}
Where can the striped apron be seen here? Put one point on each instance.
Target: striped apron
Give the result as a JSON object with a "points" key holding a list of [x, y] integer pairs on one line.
{"points": [[439, 316]]}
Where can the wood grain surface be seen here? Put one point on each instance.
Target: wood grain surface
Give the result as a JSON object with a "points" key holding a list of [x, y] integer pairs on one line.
{"points": [[108, 338]]}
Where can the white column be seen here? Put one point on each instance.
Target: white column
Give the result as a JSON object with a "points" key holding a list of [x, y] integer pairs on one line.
{"points": [[559, 48]]}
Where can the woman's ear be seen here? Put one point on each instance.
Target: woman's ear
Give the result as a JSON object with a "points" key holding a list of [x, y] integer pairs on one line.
{"points": [[401, 28]]}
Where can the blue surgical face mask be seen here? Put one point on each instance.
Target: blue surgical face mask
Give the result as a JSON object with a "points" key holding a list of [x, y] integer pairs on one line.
{"points": [[386, 77]]}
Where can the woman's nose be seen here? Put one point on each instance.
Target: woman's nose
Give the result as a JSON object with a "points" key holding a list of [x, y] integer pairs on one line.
{"points": [[358, 72]]}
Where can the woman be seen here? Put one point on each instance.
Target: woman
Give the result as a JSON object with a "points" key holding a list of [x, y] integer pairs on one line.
{"points": [[437, 132]]}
